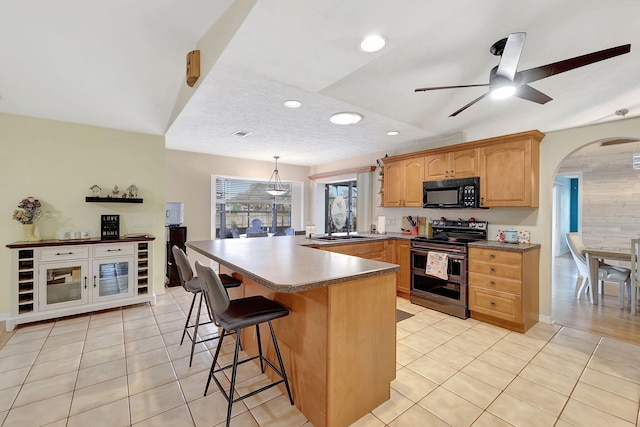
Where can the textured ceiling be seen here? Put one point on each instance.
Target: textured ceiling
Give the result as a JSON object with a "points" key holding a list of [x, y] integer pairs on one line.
{"points": [[121, 64]]}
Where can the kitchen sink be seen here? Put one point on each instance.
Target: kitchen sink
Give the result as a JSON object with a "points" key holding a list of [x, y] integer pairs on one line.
{"points": [[349, 237]]}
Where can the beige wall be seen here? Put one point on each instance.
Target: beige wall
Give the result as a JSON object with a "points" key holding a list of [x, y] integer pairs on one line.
{"points": [[57, 162], [188, 180]]}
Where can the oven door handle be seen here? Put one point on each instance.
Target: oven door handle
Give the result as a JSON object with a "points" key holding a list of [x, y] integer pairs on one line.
{"points": [[452, 255]]}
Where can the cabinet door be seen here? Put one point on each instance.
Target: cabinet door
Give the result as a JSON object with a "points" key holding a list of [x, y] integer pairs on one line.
{"points": [[463, 163], [393, 184], [112, 278], [62, 284], [436, 166], [506, 175], [403, 277], [413, 179]]}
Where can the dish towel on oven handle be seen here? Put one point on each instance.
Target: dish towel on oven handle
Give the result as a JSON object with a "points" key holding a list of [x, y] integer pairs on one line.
{"points": [[437, 264]]}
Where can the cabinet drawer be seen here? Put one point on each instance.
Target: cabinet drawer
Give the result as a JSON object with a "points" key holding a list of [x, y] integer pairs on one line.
{"points": [[64, 253], [495, 283], [496, 304], [112, 250], [511, 271], [495, 256]]}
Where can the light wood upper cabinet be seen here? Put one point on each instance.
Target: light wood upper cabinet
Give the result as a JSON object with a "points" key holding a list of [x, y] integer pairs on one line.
{"points": [[508, 167], [403, 183], [451, 165], [509, 173]]}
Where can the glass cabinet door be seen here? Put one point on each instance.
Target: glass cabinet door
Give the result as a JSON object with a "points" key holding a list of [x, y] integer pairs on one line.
{"points": [[63, 284], [112, 278]]}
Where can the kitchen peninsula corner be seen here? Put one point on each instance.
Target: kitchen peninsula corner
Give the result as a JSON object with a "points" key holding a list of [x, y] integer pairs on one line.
{"points": [[338, 343]]}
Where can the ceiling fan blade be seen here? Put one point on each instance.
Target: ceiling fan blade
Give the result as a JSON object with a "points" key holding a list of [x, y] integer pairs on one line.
{"points": [[533, 74], [531, 94], [423, 89], [511, 55], [468, 105]]}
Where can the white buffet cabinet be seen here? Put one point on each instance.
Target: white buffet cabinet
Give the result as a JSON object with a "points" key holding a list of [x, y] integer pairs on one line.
{"points": [[51, 279]]}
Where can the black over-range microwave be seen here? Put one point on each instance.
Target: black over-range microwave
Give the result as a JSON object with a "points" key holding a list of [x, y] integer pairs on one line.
{"points": [[460, 193]]}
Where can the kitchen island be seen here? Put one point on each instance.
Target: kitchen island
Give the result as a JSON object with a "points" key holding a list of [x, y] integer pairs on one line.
{"points": [[339, 341]]}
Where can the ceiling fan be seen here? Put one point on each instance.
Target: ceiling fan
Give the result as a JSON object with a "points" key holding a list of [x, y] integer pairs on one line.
{"points": [[505, 81]]}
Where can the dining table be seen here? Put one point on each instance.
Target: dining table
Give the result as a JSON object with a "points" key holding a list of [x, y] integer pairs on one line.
{"points": [[594, 254]]}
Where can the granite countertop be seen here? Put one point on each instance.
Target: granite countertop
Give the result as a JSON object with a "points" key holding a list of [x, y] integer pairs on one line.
{"points": [[513, 247], [286, 264]]}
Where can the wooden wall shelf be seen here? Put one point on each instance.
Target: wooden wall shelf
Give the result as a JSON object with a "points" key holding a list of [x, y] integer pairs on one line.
{"points": [[112, 200]]}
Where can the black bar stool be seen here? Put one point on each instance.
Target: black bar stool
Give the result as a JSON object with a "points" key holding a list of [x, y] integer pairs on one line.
{"points": [[192, 284], [235, 315]]}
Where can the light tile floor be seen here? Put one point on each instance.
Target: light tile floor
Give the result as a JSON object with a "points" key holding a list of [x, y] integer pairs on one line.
{"points": [[125, 367]]}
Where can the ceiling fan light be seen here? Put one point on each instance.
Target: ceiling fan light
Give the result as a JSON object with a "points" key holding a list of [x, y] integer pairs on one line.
{"points": [[345, 118], [503, 92]]}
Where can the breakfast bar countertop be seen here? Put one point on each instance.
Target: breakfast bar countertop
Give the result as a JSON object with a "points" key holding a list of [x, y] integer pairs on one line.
{"points": [[284, 264]]}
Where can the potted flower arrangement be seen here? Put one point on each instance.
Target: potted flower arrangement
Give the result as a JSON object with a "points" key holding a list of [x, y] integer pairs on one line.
{"points": [[29, 213]]}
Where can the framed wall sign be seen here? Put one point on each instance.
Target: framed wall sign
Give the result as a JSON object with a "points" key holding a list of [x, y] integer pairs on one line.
{"points": [[110, 227]]}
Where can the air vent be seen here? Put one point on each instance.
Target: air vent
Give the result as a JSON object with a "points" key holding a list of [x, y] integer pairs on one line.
{"points": [[636, 160], [241, 133]]}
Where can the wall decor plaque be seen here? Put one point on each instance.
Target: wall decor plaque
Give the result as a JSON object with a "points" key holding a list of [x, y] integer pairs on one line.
{"points": [[110, 227]]}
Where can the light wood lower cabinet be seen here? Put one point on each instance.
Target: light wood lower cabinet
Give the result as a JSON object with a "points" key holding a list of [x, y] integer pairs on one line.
{"points": [[369, 250], [504, 288], [402, 257]]}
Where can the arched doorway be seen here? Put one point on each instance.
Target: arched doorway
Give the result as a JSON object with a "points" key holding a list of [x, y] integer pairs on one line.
{"points": [[608, 205]]}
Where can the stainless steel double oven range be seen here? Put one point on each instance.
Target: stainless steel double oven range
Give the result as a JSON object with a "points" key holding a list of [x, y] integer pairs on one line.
{"points": [[450, 237]]}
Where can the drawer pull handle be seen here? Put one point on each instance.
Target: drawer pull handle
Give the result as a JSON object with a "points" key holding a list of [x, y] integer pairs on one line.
{"points": [[94, 282], [492, 256], [492, 283], [492, 269], [64, 253], [114, 250], [85, 282]]}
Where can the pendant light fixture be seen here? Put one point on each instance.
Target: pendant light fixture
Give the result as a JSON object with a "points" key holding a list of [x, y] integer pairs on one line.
{"points": [[274, 187]]}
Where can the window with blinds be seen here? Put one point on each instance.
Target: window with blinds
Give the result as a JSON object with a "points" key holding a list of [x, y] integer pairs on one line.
{"points": [[239, 202]]}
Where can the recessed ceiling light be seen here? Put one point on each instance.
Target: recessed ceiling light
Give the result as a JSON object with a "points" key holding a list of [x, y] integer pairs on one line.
{"points": [[345, 118], [393, 133], [372, 43], [292, 103]]}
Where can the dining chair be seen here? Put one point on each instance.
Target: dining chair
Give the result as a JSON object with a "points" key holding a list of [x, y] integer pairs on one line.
{"points": [[253, 230], [279, 233], [635, 280], [256, 223], [289, 231], [606, 272]]}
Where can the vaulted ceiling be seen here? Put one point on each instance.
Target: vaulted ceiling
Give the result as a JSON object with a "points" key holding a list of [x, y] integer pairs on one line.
{"points": [[120, 64]]}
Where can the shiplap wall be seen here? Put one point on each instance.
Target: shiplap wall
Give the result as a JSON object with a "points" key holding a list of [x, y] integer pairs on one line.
{"points": [[610, 193]]}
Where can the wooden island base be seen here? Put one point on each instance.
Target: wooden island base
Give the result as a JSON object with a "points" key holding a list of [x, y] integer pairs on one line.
{"points": [[338, 346]]}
